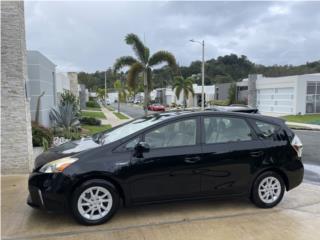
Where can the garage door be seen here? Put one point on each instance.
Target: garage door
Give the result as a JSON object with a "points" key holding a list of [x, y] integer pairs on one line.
{"points": [[275, 100]]}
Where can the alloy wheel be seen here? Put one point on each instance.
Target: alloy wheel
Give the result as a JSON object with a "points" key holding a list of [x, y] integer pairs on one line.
{"points": [[95, 203], [269, 189]]}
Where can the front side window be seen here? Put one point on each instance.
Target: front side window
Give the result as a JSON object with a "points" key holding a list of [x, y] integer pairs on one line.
{"points": [[226, 129], [181, 133]]}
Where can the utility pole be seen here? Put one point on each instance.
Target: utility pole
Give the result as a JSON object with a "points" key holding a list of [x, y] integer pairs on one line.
{"points": [[202, 73], [202, 90], [105, 86]]}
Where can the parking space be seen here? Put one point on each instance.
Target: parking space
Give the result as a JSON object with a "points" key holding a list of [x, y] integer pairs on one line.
{"points": [[296, 217]]}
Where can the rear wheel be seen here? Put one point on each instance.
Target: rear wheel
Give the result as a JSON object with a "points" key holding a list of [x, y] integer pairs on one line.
{"points": [[94, 202], [268, 190]]}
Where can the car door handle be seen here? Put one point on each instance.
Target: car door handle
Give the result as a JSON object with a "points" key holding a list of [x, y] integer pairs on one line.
{"points": [[192, 159], [256, 154]]}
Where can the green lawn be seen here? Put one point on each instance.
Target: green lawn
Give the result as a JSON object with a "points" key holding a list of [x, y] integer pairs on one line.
{"points": [[93, 108], [120, 115], [93, 114], [95, 129], [309, 118]]}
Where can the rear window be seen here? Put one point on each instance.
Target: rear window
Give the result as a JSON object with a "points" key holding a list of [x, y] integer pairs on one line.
{"points": [[267, 130]]}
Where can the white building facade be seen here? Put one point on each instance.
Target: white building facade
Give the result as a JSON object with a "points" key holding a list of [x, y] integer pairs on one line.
{"points": [[299, 94]]}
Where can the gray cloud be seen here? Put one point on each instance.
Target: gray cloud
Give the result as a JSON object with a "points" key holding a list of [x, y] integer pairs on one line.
{"points": [[89, 36]]}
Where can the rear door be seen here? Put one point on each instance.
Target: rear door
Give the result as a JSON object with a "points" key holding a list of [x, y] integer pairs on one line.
{"points": [[230, 153]]}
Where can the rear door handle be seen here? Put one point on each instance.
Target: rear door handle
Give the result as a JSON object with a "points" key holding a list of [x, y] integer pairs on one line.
{"points": [[256, 154], [192, 159]]}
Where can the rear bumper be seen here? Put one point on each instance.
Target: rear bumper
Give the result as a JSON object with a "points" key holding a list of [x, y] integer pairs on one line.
{"points": [[49, 191], [295, 173]]}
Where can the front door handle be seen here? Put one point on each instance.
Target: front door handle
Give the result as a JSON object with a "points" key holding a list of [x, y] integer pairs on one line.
{"points": [[192, 159], [256, 154]]}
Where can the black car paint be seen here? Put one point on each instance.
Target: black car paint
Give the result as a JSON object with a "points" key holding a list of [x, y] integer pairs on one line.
{"points": [[198, 171]]}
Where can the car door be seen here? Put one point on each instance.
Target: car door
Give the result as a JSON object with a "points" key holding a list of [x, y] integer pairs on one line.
{"points": [[167, 171], [230, 154]]}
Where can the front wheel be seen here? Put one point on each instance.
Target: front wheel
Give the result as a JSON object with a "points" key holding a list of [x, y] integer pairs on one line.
{"points": [[94, 202], [268, 190]]}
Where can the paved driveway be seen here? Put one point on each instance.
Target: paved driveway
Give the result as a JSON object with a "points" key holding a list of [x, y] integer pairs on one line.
{"points": [[297, 217]]}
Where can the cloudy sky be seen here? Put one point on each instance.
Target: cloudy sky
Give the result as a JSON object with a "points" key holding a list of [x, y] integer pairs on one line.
{"points": [[89, 36]]}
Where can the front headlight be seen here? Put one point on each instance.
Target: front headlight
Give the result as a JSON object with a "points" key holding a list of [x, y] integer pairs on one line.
{"points": [[57, 165]]}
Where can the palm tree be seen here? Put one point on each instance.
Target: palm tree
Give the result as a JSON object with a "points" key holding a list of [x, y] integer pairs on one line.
{"points": [[122, 91], [183, 85], [142, 64]]}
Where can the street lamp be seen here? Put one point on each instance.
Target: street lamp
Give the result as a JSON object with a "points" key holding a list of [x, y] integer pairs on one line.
{"points": [[105, 86], [202, 73]]}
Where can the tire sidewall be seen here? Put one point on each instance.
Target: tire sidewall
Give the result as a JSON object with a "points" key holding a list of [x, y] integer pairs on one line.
{"points": [[255, 194], [83, 187]]}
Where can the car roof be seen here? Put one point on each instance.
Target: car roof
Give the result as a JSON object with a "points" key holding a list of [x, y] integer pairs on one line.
{"points": [[181, 114]]}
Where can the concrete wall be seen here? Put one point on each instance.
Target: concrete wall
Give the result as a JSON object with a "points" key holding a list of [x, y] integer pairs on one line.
{"points": [[62, 83], [74, 88], [222, 91], [16, 140], [41, 79]]}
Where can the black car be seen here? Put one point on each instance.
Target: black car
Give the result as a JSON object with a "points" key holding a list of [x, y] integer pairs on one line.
{"points": [[169, 156]]}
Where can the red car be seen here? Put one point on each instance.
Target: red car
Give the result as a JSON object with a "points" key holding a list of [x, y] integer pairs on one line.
{"points": [[156, 107]]}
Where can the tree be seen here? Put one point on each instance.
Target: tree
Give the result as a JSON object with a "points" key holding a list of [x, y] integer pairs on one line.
{"points": [[142, 64], [183, 85], [122, 92], [232, 93], [101, 93]]}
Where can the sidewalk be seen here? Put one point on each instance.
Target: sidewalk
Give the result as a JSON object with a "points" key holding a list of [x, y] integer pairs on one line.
{"points": [[304, 125], [112, 119], [296, 217]]}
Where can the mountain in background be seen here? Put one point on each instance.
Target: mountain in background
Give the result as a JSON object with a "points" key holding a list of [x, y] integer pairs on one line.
{"points": [[224, 69]]}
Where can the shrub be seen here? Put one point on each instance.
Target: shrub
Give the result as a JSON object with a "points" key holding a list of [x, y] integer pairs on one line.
{"points": [[92, 104], [40, 135], [90, 121], [219, 102]]}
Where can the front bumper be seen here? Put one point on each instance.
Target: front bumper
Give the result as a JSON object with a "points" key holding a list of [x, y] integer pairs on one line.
{"points": [[49, 191]]}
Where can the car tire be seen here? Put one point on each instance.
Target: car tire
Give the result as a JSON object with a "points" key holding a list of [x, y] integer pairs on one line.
{"points": [[94, 202], [268, 190]]}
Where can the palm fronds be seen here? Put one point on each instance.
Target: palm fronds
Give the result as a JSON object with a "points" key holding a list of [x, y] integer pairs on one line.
{"points": [[123, 61], [141, 51], [162, 56], [133, 73]]}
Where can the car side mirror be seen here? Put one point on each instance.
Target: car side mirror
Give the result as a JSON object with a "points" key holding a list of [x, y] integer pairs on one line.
{"points": [[142, 147]]}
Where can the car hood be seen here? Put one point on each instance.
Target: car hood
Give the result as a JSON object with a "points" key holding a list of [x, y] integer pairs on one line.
{"points": [[65, 150]]}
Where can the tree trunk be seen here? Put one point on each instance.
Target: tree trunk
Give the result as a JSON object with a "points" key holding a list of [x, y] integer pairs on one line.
{"points": [[118, 102], [146, 99]]}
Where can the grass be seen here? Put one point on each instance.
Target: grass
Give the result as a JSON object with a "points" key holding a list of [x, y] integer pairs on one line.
{"points": [[93, 114], [93, 108], [308, 118], [120, 115], [95, 129]]}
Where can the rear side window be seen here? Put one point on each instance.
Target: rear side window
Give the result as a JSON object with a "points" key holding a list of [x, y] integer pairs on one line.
{"points": [[226, 129], [267, 130]]}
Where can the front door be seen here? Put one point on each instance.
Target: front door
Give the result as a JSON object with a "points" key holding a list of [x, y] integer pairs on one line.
{"points": [[230, 153], [168, 170]]}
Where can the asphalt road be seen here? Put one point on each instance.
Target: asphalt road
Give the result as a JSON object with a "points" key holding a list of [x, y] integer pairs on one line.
{"points": [[310, 140], [133, 110]]}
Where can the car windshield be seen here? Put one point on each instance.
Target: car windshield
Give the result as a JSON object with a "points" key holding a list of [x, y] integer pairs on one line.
{"points": [[130, 128]]}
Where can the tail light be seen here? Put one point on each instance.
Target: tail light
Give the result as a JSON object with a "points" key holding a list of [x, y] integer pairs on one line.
{"points": [[297, 145]]}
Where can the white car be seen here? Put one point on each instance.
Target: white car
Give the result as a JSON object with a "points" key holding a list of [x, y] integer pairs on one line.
{"points": [[108, 102]]}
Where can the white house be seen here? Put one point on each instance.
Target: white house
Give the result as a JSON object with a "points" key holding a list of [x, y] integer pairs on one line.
{"points": [[168, 95], [299, 94]]}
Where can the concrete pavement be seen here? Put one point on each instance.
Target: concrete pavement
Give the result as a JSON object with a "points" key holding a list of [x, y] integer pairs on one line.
{"points": [[296, 217], [112, 119]]}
